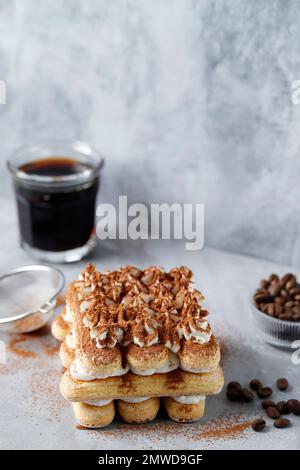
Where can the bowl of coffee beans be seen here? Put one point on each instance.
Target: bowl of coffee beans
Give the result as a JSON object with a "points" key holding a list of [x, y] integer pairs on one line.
{"points": [[276, 308]]}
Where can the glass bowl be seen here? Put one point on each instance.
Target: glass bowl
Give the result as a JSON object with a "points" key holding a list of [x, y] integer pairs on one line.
{"points": [[280, 333]]}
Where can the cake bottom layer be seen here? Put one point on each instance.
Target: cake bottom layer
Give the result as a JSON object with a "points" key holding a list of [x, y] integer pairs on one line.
{"points": [[90, 416]]}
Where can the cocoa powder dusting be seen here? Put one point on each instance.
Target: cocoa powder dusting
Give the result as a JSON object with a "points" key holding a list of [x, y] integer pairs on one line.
{"points": [[34, 355], [228, 432], [38, 339], [51, 350], [224, 427], [44, 393], [14, 346]]}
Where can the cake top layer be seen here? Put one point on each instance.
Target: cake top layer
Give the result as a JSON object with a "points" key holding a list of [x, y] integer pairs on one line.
{"points": [[145, 307]]}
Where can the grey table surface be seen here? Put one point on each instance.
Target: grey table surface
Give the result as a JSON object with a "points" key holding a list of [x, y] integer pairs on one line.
{"points": [[35, 416]]}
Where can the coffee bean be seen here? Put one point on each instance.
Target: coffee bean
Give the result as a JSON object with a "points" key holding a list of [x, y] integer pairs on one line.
{"points": [[272, 412], [275, 289], [263, 307], [233, 395], [262, 298], [281, 423], [290, 403], [296, 409], [234, 386], [297, 297], [278, 310], [255, 384], [296, 316], [264, 392], [284, 294], [263, 292], [289, 304], [279, 300], [264, 284], [294, 406], [271, 310], [258, 424], [283, 408], [266, 403], [295, 291], [288, 277], [290, 284], [273, 277], [247, 395], [282, 383]]}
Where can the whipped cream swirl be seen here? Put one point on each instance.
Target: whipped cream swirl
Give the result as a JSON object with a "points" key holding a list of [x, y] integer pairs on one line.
{"points": [[143, 307]]}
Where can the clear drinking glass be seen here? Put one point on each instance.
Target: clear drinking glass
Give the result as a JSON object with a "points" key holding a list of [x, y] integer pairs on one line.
{"points": [[56, 186]]}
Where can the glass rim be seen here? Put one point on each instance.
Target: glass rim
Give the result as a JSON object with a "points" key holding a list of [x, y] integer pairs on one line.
{"points": [[71, 148]]}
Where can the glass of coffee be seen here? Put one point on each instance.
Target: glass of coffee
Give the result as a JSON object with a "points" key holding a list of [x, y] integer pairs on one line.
{"points": [[56, 187]]}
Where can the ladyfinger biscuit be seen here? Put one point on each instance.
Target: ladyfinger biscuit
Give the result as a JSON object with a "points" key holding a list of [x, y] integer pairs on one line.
{"points": [[173, 383], [199, 357], [60, 328], [143, 358], [184, 413], [90, 416], [142, 412]]}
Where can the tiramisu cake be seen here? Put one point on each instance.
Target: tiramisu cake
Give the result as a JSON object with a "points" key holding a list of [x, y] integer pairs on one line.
{"points": [[132, 339]]}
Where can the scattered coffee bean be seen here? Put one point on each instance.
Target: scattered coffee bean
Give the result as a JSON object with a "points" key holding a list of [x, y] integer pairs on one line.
{"points": [[234, 386], [281, 423], [233, 395], [272, 412], [255, 384], [290, 403], [283, 408], [258, 424], [264, 392], [294, 406], [247, 395], [282, 384], [266, 403], [236, 393]]}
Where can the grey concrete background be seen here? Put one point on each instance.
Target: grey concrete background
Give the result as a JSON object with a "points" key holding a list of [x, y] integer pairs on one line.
{"points": [[189, 101]]}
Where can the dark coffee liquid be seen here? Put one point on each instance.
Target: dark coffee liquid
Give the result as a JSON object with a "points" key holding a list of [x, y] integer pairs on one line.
{"points": [[56, 219]]}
